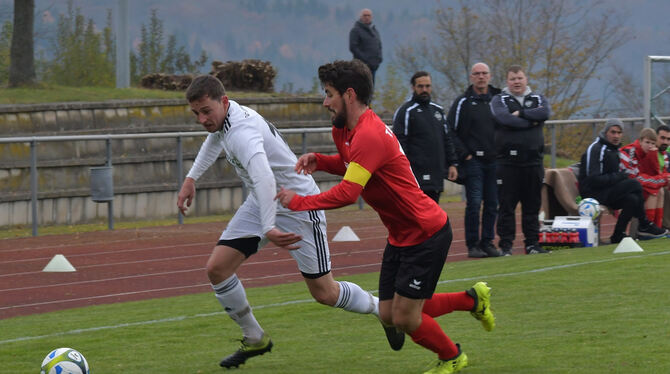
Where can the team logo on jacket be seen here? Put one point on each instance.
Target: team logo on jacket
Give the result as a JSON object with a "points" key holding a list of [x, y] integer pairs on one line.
{"points": [[438, 116], [528, 104]]}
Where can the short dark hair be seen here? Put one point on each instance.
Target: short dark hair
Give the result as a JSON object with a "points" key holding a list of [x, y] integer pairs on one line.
{"points": [[515, 69], [348, 74], [665, 128], [417, 75], [205, 85]]}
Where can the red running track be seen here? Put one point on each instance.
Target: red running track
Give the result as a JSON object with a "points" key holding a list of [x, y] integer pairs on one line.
{"points": [[126, 265]]}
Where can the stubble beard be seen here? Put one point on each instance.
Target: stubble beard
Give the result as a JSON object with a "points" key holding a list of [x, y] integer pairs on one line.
{"points": [[340, 119]]}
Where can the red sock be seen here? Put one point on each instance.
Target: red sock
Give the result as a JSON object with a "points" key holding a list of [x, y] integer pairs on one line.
{"points": [[430, 335], [658, 220], [443, 303], [651, 215]]}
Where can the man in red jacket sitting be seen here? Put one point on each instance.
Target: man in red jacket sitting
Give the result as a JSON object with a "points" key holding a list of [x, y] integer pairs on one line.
{"points": [[640, 160]]}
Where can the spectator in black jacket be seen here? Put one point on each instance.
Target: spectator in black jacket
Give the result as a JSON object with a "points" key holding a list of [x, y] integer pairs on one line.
{"points": [[365, 43], [601, 178], [472, 127], [421, 128], [520, 115]]}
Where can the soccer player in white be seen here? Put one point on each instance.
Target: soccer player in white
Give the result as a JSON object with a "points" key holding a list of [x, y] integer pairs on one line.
{"points": [[263, 161]]}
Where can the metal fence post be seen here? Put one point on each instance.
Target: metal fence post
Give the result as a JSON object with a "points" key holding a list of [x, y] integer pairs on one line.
{"points": [[594, 129], [553, 146], [110, 204], [180, 170], [33, 184]]}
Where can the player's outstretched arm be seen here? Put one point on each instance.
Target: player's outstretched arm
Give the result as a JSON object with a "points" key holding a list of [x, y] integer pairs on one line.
{"points": [[285, 240], [306, 164], [186, 195]]}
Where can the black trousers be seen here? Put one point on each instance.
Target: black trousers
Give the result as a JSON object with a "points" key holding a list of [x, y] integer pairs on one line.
{"points": [[627, 196], [519, 184]]}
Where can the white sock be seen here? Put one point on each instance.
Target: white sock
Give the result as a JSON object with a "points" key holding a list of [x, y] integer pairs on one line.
{"points": [[232, 297], [354, 299]]}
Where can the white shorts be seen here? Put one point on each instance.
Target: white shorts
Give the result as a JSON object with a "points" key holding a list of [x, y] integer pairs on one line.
{"points": [[313, 256]]}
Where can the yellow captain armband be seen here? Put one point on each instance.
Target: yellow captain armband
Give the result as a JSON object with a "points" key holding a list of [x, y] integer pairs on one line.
{"points": [[357, 174]]}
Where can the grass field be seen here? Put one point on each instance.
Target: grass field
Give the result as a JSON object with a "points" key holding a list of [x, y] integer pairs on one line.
{"points": [[573, 311]]}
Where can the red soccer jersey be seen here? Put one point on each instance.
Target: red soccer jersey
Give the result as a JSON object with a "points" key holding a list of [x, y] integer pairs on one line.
{"points": [[374, 166]]}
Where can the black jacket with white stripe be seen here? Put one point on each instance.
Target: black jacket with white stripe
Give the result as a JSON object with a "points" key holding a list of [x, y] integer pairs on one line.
{"points": [[421, 129], [599, 168], [472, 125], [520, 140]]}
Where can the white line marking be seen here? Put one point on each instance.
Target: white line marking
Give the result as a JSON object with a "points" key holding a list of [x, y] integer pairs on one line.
{"points": [[293, 302]]}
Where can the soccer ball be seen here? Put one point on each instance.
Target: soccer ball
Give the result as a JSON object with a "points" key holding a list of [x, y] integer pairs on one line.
{"points": [[589, 207], [64, 361]]}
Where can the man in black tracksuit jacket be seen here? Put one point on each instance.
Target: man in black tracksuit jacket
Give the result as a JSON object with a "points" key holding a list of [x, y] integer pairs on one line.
{"points": [[472, 127], [520, 115], [601, 178], [420, 126]]}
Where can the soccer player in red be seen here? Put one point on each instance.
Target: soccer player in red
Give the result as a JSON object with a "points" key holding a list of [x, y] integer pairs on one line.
{"points": [[373, 165]]}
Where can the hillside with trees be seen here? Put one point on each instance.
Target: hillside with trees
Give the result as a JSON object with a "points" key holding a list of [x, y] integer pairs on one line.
{"points": [[586, 56]]}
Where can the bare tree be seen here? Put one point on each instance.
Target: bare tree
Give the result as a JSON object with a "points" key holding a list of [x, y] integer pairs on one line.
{"points": [[560, 43], [22, 64]]}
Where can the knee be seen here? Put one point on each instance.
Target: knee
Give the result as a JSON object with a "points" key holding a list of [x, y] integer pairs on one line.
{"points": [[217, 272], [491, 205], [634, 186], [634, 200], [473, 203], [212, 272]]}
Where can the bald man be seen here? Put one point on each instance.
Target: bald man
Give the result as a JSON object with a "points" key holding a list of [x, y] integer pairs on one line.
{"points": [[471, 121], [365, 43]]}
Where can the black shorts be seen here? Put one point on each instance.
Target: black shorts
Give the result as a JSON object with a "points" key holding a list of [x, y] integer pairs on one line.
{"points": [[248, 246], [413, 271]]}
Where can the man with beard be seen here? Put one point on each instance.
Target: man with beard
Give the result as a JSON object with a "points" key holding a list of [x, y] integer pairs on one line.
{"points": [[421, 128], [373, 166], [263, 161]]}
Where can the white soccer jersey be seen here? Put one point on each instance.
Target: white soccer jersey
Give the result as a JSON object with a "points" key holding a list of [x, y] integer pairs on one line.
{"points": [[246, 133]]}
